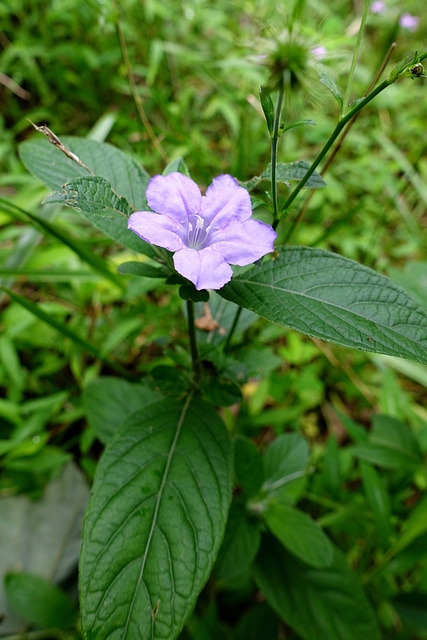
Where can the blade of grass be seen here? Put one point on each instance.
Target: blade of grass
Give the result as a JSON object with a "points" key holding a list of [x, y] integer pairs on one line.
{"points": [[62, 328], [84, 254]]}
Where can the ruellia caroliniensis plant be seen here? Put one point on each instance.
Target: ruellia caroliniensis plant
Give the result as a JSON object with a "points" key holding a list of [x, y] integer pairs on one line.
{"points": [[160, 501]]}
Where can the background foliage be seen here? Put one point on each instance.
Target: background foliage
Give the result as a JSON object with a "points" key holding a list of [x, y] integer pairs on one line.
{"points": [[350, 427]]}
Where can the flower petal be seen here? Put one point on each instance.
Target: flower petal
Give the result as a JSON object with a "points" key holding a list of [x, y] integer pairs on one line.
{"points": [[156, 229], [243, 242], [174, 195], [206, 269], [225, 201]]}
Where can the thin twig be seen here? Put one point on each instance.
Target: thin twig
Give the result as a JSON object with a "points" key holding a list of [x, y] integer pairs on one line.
{"points": [[53, 139], [14, 87]]}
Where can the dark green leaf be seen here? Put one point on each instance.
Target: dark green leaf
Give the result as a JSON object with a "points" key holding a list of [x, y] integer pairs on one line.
{"points": [[258, 623], [299, 534], [412, 609], [267, 107], [38, 601], [316, 603], [108, 401], [95, 199], [54, 168], [379, 501], [163, 485], [239, 547], [189, 292], [222, 391], [248, 466], [332, 298]]}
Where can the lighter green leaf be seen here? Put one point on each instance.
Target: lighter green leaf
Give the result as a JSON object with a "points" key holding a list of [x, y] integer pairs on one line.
{"points": [[154, 522], [333, 298], [330, 84], [286, 173], [142, 269], [54, 168], [177, 165]]}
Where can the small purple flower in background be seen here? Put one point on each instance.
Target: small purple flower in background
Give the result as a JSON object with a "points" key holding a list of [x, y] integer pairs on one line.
{"points": [[378, 6], [407, 21], [206, 233], [319, 52]]}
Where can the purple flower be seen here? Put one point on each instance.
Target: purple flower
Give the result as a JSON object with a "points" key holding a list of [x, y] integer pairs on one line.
{"points": [[409, 22], [378, 6], [319, 52], [206, 233]]}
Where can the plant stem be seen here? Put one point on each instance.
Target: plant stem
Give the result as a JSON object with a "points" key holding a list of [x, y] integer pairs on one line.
{"points": [[232, 329], [356, 54], [340, 142], [193, 341], [334, 135], [274, 142]]}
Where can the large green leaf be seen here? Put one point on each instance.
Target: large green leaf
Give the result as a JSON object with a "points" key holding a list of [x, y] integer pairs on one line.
{"points": [[333, 298], [155, 521], [317, 603], [54, 168], [94, 198]]}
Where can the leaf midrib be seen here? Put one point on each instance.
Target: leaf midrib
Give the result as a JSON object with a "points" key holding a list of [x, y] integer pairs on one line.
{"points": [[156, 511]]}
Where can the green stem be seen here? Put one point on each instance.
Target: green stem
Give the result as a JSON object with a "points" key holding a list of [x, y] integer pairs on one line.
{"points": [[274, 142], [334, 135], [356, 55], [193, 341], [232, 329]]}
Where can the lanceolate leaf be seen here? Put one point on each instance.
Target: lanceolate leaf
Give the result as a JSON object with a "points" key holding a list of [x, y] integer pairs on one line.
{"points": [[332, 298], [317, 603], [94, 198], [163, 487], [53, 168]]}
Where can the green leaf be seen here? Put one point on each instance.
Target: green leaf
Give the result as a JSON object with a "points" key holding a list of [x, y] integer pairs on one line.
{"points": [[258, 623], [108, 401], [248, 466], [267, 107], [38, 601], [379, 501], [54, 168], [285, 461], [177, 165], [163, 486], [239, 548], [316, 603], [95, 199], [88, 256], [299, 123], [142, 269], [286, 172], [333, 298], [391, 445], [330, 84], [411, 608], [299, 534]]}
